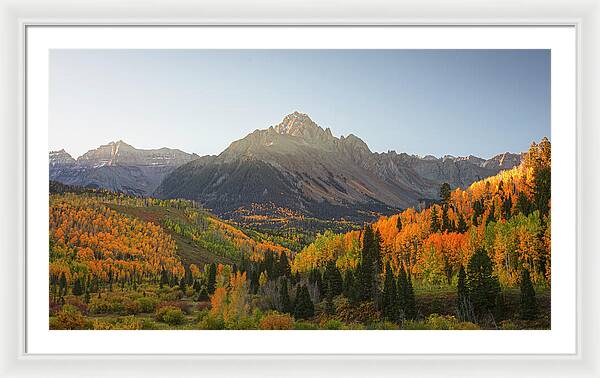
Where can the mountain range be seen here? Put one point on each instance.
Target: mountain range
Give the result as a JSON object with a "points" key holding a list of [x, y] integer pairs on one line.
{"points": [[117, 166], [295, 165]]}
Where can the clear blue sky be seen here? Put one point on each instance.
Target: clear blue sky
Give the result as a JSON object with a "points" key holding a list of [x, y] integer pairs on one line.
{"points": [[438, 102]]}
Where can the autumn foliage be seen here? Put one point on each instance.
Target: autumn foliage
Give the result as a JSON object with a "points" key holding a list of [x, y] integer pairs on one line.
{"points": [[92, 246], [507, 215]]}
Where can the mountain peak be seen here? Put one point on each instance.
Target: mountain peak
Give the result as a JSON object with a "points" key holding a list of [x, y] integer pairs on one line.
{"points": [[60, 157], [120, 143], [298, 124]]}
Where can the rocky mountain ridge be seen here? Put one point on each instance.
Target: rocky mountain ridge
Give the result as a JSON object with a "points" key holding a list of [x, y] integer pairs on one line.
{"points": [[298, 165], [117, 166]]}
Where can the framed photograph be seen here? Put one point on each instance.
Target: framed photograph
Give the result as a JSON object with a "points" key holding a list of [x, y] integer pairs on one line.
{"points": [[283, 193]]}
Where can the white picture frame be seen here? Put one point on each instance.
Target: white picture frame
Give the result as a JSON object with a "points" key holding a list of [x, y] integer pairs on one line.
{"points": [[13, 360]]}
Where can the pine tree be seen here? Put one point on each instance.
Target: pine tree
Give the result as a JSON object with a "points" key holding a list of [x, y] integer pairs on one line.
{"points": [[348, 282], [391, 311], [77, 288], [197, 286], [541, 190], [284, 265], [329, 307], [284, 297], [523, 204], [399, 223], [333, 278], [212, 278], [164, 278], [62, 284], [463, 303], [529, 307], [410, 308], [351, 287], [401, 289], [446, 225], [367, 265], [483, 287], [316, 279], [491, 218], [435, 222], [203, 295], [507, 207], [406, 295], [303, 306], [377, 271], [445, 193]]}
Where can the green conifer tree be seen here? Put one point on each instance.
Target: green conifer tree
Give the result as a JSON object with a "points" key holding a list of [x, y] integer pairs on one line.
{"points": [[367, 265], [329, 307], [435, 222], [483, 287], [284, 265], [333, 278], [390, 308], [411, 305], [303, 306], [284, 297], [446, 225], [402, 290], [463, 303], [62, 284], [212, 278], [529, 307], [77, 288], [445, 193]]}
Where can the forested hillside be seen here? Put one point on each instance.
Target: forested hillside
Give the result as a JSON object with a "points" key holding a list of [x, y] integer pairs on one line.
{"points": [[508, 215], [479, 258]]}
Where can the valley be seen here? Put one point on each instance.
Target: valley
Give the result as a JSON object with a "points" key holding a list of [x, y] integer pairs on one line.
{"points": [[476, 256]]}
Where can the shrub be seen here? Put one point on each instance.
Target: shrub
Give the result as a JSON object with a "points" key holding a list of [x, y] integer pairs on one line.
{"points": [[245, 322], [354, 326], [189, 292], [77, 302], [170, 314], [186, 307], [133, 307], [129, 323], [364, 313], [54, 308], [101, 325], [306, 326], [147, 304], [440, 322], [333, 324], [69, 317], [148, 324], [211, 323], [105, 305], [508, 325], [171, 294], [385, 325], [276, 321]]}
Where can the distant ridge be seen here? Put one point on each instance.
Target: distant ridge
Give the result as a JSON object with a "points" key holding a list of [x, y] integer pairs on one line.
{"points": [[117, 166]]}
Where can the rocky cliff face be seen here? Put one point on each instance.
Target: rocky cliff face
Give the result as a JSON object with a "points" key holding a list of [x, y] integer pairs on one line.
{"points": [[299, 165], [117, 166]]}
